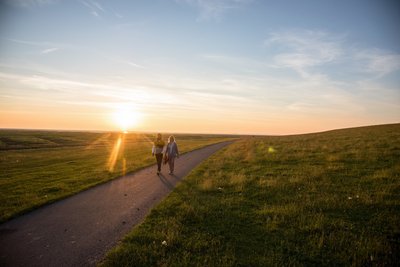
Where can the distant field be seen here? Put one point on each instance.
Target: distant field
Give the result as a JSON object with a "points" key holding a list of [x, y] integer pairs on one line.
{"points": [[326, 199], [39, 167]]}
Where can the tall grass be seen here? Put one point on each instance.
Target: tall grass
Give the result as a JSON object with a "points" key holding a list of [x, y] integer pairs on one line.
{"points": [[327, 199], [39, 167]]}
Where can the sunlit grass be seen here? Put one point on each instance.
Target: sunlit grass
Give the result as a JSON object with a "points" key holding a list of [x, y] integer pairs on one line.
{"points": [[41, 167], [328, 199], [112, 160]]}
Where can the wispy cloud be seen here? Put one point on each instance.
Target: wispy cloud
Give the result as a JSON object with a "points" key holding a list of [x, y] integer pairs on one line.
{"points": [[378, 62], [46, 47], [57, 89], [214, 9], [30, 3], [135, 65], [305, 48], [231, 96], [118, 15], [150, 96], [308, 52], [229, 60], [50, 50], [121, 61], [31, 43], [51, 47], [94, 7]]}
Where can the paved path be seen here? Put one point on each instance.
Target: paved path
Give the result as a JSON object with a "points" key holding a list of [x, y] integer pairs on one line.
{"points": [[79, 230]]}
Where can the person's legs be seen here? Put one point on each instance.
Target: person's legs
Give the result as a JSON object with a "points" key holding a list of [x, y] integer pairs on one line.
{"points": [[171, 162], [159, 161]]}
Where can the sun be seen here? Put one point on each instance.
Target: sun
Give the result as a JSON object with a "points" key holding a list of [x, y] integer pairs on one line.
{"points": [[126, 117]]}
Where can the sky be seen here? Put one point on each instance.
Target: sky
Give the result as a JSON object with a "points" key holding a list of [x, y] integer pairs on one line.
{"points": [[203, 66]]}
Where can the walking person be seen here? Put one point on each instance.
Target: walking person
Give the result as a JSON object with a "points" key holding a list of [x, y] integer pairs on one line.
{"points": [[171, 153], [157, 150]]}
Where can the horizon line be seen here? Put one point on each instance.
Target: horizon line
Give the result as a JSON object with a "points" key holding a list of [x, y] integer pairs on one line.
{"points": [[168, 132]]}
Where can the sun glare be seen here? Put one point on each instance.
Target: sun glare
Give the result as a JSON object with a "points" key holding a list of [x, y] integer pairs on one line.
{"points": [[126, 118]]}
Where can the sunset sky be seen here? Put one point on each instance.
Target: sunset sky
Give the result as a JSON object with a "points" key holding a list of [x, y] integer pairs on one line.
{"points": [[222, 66]]}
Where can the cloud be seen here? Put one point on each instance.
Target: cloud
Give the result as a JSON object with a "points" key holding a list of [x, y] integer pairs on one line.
{"points": [[228, 60], [31, 43], [46, 47], [214, 9], [334, 74], [305, 49], [94, 7], [30, 3], [121, 61], [378, 62], [187, 95], [108, 93], [309, 52], [250, 97], [50, 50], [135, 65], [118, 15]]}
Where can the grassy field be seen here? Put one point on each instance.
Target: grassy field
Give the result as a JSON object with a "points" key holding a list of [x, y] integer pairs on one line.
{"points": [[325, 199], [39, 167]]}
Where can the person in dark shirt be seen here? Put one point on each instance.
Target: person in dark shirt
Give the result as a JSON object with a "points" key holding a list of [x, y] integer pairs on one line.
{"points": [[158, 150]]}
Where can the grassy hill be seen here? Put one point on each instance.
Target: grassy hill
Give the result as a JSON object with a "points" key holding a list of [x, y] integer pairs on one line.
{"points": [[324, 199], [39, 167]]}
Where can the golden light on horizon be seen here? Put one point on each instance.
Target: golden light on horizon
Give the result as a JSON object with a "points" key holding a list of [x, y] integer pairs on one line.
{"points": [[126, 117]]}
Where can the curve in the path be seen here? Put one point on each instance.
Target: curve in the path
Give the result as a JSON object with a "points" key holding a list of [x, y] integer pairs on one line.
{"points": [[79, 230]]}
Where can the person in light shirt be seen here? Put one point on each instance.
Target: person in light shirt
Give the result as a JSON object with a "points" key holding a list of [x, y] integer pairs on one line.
{"points": [[171, 153], [158, 150]]}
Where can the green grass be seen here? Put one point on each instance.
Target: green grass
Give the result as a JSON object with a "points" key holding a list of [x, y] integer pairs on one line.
{"points": [[39, 167], [325, 199]]}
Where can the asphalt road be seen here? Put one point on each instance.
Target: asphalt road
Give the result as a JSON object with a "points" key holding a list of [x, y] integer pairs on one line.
{"points": [[79, 230]]}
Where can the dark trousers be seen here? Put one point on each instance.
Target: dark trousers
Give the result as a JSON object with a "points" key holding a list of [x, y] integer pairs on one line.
{"points": [[159, 161], [171, 162]]}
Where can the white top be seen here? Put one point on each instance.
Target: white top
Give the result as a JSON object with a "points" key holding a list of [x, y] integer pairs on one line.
{"points": [[158, 150]]}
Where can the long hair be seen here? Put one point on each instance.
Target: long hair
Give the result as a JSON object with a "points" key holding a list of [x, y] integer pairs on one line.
{"points": [[171, 139]]}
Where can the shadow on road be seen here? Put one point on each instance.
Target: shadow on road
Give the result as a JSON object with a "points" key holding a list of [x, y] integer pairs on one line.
{"points": [[165, 181]]}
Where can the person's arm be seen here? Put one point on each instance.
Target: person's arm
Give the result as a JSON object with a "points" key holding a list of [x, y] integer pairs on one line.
{"points": [[153, 150], [177, 151], [166, 150]]}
